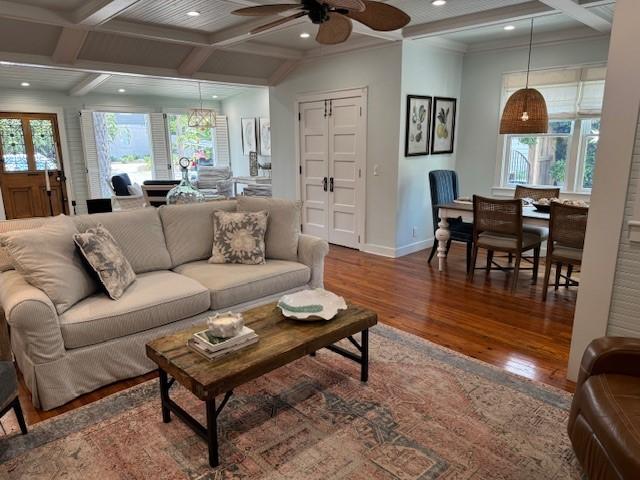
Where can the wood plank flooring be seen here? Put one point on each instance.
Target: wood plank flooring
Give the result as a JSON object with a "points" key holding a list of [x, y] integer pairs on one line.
{"points": [[484, 320]]}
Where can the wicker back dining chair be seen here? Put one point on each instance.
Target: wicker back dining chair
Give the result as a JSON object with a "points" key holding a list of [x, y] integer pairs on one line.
{"points": [[535, 193], [567, 229], [443, 185], [497, 227]]}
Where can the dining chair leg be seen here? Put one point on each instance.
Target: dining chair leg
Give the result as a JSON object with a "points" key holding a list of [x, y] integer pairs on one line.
{"points": [[536, 263], [547, 274], [489, 259], [510, 258], [474, 258], [558, 274], [516, 271], [20, 416], [567, 284], [469, 253], [434, 249]]}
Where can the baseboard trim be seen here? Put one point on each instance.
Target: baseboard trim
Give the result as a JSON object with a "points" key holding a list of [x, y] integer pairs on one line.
{"points": [[389, 252]]}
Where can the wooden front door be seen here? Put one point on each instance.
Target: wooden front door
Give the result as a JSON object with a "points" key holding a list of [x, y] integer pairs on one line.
{"points": [[29, 149]]}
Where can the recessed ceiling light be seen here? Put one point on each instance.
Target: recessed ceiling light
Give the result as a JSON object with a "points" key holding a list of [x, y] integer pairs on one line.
{"points": [[121, 90], [438, 3], [214, 96], [508, 28], [304, 35], [193, 13], [25, 84]]}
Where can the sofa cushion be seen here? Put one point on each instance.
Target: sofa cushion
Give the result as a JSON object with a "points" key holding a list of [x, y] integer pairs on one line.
{"points": [[138, 233], [283, 227], [188, 229], [233, 284], [12, 226], [48, 259], [154, 299]]}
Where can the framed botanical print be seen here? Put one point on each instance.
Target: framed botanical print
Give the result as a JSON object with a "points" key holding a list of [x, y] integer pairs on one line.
{"points": [[264, 126], [417, 125], [249, 139], [444, 125]]}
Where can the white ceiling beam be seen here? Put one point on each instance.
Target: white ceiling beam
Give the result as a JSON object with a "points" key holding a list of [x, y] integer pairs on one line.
{"points": [[69, 45], [196, 58], [153, 32], [240, 33], [265, 50], [478, 19], [580, 13], [97, 12], [87, 84], [32, 13], [283, 72]]}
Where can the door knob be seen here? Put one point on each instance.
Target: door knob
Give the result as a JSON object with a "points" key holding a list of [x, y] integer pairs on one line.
{"points": [[324, 184], [331, 184]]}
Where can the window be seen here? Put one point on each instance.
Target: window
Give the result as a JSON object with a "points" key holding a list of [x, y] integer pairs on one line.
{"points": [[565, 156], [28, 144], [124, 145], [194, 143]]}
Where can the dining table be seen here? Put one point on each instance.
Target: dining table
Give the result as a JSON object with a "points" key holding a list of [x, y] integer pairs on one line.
{"points": [[464, 209]]}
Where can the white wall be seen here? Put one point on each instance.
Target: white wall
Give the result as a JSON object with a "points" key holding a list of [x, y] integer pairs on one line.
{"points": [[73, 156], [610, 191], [379, 69], [432, 71], [479, 112], [251, 104]]}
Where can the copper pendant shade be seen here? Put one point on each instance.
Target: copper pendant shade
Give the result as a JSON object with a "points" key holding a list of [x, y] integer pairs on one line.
{"points": [[526, 110]]}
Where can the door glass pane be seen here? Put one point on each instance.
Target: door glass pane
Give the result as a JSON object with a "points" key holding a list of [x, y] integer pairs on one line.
{"points": [[194, 143], [14, 153], [44, 145]]}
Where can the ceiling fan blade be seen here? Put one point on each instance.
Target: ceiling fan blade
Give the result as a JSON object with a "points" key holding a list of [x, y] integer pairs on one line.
{"points": [[381, 16], [335, 30], [355, 5], [275, 23], [266, 10]]}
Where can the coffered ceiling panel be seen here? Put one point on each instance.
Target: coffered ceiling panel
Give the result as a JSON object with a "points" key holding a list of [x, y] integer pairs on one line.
{"points": [[55, 4], [244, 64], [104, 47], [422, 11], [11, 76], [213, 14], [25, 37]]}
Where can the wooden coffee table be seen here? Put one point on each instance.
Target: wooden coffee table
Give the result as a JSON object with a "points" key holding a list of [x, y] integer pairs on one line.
{"points": [[281, 341]]}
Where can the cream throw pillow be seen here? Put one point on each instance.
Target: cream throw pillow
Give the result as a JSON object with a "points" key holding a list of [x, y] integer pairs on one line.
{"points": [[283, 229], [48, 259], [238, 237], [102, 252]]}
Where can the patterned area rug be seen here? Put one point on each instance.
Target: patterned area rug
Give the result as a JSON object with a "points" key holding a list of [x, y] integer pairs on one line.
{"points": [[426, 413]]}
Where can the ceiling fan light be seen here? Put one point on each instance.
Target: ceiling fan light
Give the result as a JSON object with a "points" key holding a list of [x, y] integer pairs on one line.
{"points": [[525, 113]]}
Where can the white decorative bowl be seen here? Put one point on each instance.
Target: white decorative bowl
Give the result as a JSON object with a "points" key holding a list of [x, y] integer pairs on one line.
{"points": [[311, 305]]}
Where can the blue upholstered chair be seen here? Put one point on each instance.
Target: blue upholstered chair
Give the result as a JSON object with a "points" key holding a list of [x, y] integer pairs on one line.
{"points": [[444, 189], [9, 380]]}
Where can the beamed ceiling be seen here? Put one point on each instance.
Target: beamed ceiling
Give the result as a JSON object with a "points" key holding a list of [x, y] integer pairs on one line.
{"points": [[157, 37]]}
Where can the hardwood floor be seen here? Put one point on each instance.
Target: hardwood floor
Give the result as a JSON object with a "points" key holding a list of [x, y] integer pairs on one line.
{"points": [[484, 320]]}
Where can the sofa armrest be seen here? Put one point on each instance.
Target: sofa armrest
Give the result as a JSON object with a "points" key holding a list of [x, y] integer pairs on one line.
{"points": [[311, 252], [32, 317], [611, 355]]}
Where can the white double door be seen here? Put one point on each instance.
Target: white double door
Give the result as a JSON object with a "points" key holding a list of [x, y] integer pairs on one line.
{"points": [[332, 146]]}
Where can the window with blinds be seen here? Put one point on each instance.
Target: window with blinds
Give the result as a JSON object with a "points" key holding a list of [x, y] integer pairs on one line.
{"points": [[566, 155]]}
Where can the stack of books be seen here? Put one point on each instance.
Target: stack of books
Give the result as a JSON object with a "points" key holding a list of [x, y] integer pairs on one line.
{"points": [[212, 347]]}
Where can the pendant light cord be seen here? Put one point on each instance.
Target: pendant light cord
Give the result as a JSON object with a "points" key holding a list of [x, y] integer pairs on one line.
{"points": [[530, 48]]}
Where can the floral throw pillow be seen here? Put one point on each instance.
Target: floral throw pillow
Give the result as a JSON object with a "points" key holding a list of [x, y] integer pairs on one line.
{"points": [[105, 257], [238, 237]]}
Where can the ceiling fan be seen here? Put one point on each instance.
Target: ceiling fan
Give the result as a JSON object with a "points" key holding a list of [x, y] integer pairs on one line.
{"points": [[333, 16]]}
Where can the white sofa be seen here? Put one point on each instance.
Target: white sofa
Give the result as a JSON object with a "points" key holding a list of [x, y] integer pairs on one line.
{"points": [[99, 341]]}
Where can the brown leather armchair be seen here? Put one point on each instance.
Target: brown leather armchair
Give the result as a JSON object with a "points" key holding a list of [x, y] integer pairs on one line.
{"points": [[604, 424]]}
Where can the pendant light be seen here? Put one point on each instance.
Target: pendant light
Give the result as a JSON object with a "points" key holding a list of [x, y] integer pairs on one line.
{"points": [[526, 110], [202, 118]]}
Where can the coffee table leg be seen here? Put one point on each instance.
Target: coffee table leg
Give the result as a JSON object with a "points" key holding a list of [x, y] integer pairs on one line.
{"points": [[212, 432], [364, 372], [164, 396]]}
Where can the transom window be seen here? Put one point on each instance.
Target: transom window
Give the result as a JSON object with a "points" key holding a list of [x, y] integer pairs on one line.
{"points": [[565, 156]]}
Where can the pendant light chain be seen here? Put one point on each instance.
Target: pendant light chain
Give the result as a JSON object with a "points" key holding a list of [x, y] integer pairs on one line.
{"points": [[530, 49]]}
